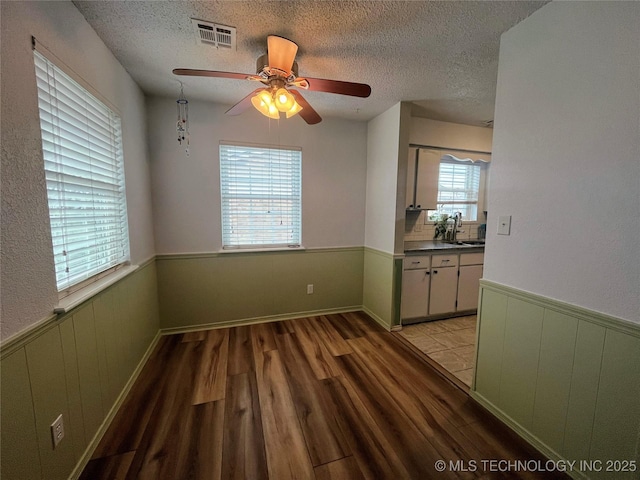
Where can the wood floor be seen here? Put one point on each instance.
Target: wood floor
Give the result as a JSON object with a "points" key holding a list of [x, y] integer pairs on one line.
{"points": [[329, 397]]}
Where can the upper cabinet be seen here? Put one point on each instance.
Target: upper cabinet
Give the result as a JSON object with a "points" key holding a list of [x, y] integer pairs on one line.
{"points": [[422, 179]]}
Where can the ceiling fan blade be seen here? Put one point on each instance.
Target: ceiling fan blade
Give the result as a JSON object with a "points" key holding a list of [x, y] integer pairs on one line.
{"points": [[282, 53], [307, 113], [212, 73], [243, 104], [336, 86]]}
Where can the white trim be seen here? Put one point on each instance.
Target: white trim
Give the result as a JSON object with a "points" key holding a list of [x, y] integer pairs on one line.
{"points": [[76, 298], [378, 319], [527, 436], [294, 248], [53, 58], [256, 320]]}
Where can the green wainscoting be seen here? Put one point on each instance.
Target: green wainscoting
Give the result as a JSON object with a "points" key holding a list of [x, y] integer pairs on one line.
{"points": [[565, 378], [380, 289], [79, 365], [221, 289]]}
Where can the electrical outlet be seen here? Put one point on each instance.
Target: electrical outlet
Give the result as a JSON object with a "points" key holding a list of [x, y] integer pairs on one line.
{"points": [[310, 289], [57, 431]]}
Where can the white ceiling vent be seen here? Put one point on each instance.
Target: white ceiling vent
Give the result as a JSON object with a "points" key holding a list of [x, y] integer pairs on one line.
{"points": [[209, 33]]}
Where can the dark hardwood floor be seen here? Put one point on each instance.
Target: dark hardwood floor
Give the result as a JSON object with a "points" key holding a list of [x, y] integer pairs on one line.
{"points": [[329, 397]]}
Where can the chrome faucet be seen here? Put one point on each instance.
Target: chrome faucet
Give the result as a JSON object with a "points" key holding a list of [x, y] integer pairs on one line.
{"points": [[457, 222]]}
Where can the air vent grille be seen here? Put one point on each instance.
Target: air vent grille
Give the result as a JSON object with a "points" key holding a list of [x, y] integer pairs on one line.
{"points": [[213, 34]]}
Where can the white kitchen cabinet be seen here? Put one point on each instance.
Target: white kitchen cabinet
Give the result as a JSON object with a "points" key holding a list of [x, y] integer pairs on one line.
{"points": [[411, 178], [439, 285], [427, 180], [415, 293], [423, 170], [469, 286], [469, 280], [444, 288]]}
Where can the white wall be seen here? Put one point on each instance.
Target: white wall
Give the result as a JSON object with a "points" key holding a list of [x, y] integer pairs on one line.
{"points": [[566, 157], [187, 189], [28, 280], [450, 135], [383, 133]]}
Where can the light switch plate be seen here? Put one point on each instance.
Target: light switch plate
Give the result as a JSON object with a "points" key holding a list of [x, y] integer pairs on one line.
{"points": [[504, 225]]}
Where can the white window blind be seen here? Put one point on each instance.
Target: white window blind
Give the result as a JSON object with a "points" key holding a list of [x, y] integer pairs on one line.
{"points": [[261, 198], [82, 148], [458, 189]]}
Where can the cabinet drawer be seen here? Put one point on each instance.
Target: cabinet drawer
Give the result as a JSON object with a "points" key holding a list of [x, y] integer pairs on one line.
{"points": [[444, 261], [418, 261], [472, 258]]}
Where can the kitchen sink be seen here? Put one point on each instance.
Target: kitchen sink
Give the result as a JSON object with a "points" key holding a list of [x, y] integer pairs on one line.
{"points": [[470, 242]]}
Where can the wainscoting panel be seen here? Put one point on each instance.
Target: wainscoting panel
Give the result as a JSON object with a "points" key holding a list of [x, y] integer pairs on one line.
{"points": [[553, 383], [585, 377], [565, 378], [19, 447], [378, 288], [74, 424], [616, 426], [491, 337], [226, 288], [520, 355], [76, 365]]}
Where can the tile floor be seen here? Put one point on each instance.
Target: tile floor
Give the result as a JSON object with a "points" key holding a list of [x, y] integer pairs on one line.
{"points": [[450, 342]]}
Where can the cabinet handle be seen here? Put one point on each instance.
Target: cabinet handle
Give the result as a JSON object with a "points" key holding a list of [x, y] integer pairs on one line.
{"points": [[415, 263], [427, 272], [445, 260], [435, 271]]}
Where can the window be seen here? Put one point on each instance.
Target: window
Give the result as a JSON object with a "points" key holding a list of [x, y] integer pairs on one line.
{"points": [[260, 189], [82, 148], [458, 190]]}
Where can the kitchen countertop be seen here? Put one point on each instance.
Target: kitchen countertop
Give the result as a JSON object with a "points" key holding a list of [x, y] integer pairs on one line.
{"points": [[429, 246]]}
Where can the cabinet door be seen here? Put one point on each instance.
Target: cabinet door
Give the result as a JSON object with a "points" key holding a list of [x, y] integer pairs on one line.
{"points": [[469, 287], [411, 177], [444, 282], [427, 180], [415, 293]]}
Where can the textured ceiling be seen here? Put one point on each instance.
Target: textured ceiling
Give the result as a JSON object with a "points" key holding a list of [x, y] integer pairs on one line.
{"points": [[441, 55]]}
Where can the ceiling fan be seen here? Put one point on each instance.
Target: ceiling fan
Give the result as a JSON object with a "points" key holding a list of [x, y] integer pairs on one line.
{"points": [[278, 71]]}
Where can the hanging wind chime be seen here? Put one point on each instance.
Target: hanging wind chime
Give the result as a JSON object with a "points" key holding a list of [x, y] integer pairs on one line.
{"points": [[183, 120]]}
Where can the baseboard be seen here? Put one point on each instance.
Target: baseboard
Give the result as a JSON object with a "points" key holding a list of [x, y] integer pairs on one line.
{"points": [[86, 456], [256, 320], [527, 436], [377, 319]]}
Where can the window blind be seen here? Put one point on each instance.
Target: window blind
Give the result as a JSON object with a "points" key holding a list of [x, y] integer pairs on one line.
{"points": [[458, 187], [261, 198], [82, 148]]}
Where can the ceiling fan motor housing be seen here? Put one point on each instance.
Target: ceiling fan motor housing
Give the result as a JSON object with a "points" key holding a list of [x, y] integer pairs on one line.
{"points": [[263, 68]]}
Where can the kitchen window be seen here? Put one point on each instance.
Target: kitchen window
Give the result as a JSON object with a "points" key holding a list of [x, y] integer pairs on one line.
{"points": [[458, 190], [261, 196], [83, 163]]}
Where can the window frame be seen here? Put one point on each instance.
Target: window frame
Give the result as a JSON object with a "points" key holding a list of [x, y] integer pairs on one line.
{"points": [[450, 158], [293, 153], [52, 75]]}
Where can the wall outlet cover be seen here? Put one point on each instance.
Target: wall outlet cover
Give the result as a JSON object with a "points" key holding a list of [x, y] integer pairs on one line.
{"points": [[57, 431]]}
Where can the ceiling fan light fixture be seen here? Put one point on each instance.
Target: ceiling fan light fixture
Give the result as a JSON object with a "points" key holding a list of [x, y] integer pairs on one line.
{"points": [[284, 101], [294, 109], [263, 102]]}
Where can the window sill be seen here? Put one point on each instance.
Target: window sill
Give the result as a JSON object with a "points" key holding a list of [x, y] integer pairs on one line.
{"points": [[261, 250], [76, 298]]}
